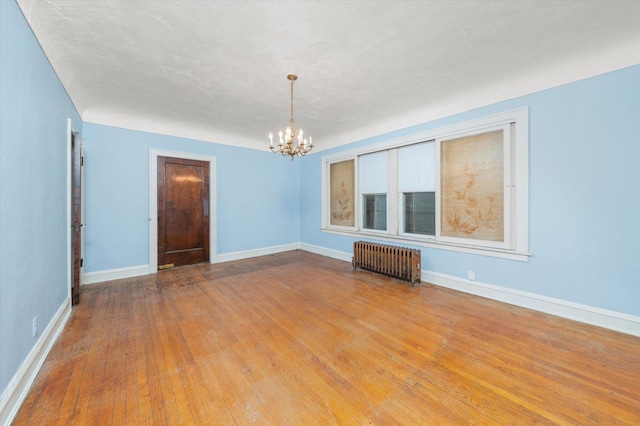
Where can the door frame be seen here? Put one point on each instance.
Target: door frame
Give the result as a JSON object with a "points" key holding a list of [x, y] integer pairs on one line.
{"points": [[153, 202], [71, 130]]}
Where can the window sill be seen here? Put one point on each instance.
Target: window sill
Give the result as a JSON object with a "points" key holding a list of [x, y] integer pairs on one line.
{"points": [[432, 243]]}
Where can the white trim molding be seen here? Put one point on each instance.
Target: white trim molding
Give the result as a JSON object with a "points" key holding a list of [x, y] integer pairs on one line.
{"points": [[17, 390], [431, 243], [323, 251], [599, 317], [611, 320], [153, 201], [246, 254], [115, 274], [136, 271]]}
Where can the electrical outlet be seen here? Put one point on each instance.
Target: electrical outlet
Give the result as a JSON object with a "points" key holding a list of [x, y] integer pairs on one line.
{"points": [[471, 275], [35, 326]]}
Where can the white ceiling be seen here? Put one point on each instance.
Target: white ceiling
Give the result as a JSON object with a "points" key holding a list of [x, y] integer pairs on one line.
{"points": [[216, 70]]}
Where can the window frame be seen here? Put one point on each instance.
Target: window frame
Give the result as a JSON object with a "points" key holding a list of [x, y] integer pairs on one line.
{"points": [[515, 246]]}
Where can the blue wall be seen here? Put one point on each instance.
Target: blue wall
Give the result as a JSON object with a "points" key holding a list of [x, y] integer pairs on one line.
{"points": [[258, 205], [584, 196], [34, 109]]}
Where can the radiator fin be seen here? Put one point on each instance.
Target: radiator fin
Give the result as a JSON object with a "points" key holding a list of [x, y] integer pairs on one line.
{"points": [[398, 262]]}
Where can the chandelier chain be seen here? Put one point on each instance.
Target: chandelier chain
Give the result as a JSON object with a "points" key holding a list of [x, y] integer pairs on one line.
{"points": [[291, 101]]}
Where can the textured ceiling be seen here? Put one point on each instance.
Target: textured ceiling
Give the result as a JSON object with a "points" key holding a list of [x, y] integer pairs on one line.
{"points": [[216, 70]]}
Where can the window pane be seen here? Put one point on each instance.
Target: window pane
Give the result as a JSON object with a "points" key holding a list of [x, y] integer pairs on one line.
{"points": [[375, 211], [420, 213]]}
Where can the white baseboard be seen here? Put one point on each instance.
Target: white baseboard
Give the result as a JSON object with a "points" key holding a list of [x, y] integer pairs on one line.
{"points": [[238, 255], [335, 254], [115, 274], [611, 320], [16, 392], [135, 271]]}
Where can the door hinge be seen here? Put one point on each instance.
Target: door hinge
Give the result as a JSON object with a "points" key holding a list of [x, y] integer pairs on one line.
{"points": [[81, 262], [82, 160]]}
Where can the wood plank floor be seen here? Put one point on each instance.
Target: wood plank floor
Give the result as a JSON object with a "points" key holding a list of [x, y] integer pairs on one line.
{"points": [[300, 339]]}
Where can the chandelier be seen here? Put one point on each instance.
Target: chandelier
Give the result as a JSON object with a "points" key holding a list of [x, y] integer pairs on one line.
{"points": [[287, 144]]}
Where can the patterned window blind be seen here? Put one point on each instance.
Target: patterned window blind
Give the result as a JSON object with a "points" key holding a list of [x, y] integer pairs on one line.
{"points": [[342, 193], [472, 186]]}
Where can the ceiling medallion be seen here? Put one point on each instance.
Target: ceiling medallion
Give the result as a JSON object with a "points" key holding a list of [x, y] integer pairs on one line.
{"points": [[287, 144]]}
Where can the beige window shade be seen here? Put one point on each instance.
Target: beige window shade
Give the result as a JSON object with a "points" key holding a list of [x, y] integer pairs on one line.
{"points": [[472, 187], [342, 193]]}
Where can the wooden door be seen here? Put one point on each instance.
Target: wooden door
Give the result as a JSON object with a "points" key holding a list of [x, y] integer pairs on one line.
{"points": [[183, 212], [76, 216]]}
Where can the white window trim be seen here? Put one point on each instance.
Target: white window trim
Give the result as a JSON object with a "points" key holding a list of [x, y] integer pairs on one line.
{"points": [[519, 231]]}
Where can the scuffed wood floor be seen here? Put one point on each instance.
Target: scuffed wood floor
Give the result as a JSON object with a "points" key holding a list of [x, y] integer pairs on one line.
{"points": [[300, 339]]}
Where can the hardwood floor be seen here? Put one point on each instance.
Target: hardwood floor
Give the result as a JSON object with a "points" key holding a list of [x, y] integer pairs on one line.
{"points": [[300, 339]]}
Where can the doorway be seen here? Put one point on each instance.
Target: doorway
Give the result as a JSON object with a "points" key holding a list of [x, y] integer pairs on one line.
{"points": [[183, 212], [75, 173], [184, 171]]}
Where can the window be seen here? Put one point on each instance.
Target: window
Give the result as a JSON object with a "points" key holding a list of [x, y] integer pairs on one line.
{"points": [[373, 183], [462, 188], [416, 184]]}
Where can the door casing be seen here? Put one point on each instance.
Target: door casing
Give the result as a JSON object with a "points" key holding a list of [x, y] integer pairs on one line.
{"points": [[71, 131]]}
